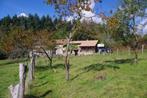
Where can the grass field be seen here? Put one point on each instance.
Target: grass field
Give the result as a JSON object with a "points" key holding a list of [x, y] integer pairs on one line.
{"points": [[97, 76]]}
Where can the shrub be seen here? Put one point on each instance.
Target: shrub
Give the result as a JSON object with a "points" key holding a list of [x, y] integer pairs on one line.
{"points": [[3, 55]]}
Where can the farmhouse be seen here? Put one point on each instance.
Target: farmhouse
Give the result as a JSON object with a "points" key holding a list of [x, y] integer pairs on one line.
{"points": [[84, 47]]}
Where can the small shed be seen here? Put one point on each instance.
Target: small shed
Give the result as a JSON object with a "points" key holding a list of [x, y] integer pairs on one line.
{"points": [[84, 47], [88, 47]]}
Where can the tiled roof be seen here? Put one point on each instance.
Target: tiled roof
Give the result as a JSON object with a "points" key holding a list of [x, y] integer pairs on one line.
{"points": [[83, 43], [88, 43], [61, 41]]}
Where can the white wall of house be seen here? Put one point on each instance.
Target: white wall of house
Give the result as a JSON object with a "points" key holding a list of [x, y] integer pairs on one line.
{"points": [[87, 51], [59, 50]]}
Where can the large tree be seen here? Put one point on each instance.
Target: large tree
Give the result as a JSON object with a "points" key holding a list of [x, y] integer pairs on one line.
{"points": [[18, 43], [67, 9], [123, 24], [46, 42]]}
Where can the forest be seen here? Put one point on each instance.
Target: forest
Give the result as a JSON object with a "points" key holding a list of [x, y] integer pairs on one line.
{"points": [[13, 29], [57, 28]]}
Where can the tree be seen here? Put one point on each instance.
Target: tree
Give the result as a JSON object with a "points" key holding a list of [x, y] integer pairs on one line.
{"points": [[46, 43], [60, 31], [66, 8], [5, 24], [26, 26], [124, 25], [18, 42], [87, 31]]}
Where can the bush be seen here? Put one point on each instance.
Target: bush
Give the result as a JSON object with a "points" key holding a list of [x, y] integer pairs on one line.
{"points": [[3, 55], [18, 53]]}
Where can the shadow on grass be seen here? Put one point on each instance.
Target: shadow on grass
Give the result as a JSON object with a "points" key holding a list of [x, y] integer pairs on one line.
{"points": [[76, 76], [96, 67], [56, 66], [31, 96], [42, 68], [46, 93], [121, 61], [45, 67], [13, 62], [41, 96], [113, 64], [44, 83], [99, 67]]}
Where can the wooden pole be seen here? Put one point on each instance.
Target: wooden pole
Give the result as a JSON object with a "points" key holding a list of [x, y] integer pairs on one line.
{"points": [[14, 91], [17, 91], [142, 50], [33, 64], [22, 78], [129, 51], [30, 73], [31, 68], [117, 51]]}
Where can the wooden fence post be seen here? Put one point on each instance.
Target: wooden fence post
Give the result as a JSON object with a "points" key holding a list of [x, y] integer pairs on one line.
{"points": [[18, 90], [30, 72], [22, 78], [32, 68], [129, 51], [142, 49], [14, 91], [117, 51]]}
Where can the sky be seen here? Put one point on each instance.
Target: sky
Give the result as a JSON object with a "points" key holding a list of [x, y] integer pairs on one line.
{"points": [[12, 7], [106, 6]]}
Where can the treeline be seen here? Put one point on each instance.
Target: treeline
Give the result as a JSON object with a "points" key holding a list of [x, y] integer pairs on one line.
{"points": [[32, 22], [18, 33]]}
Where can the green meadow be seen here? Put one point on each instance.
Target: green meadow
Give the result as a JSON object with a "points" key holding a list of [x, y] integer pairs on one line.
{"points": [[93, 76]]}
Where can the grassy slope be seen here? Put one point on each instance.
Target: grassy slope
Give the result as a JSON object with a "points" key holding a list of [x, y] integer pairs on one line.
{"points": [[119, 79]]}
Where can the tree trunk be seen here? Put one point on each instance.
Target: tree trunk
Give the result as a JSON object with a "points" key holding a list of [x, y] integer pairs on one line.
{"points": [[136, 56], [51, 61], [67, 74], [67, 70], [50, 58], [67, 64]]}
